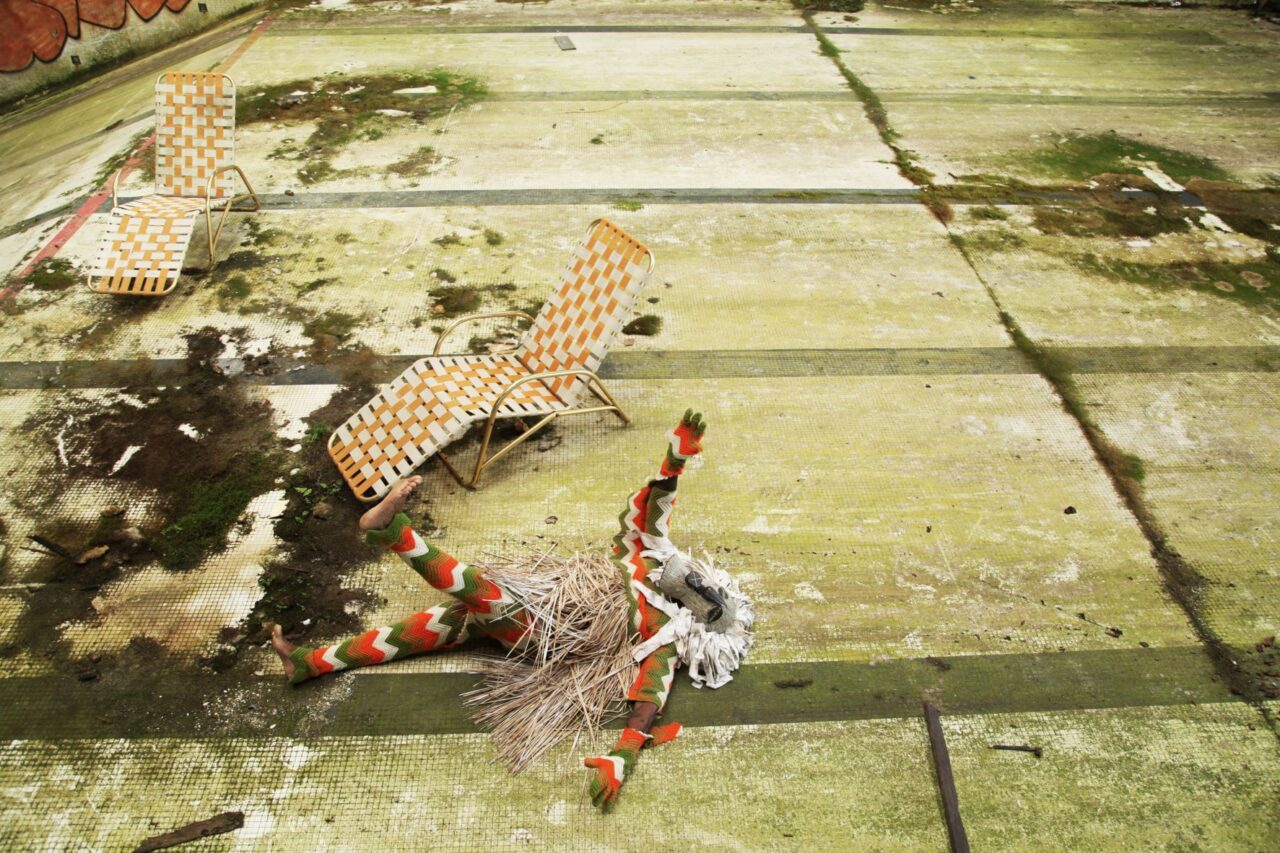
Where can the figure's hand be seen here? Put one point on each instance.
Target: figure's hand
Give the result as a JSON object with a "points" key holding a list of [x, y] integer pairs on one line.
{"points": [[686, 442], [613, 769]]}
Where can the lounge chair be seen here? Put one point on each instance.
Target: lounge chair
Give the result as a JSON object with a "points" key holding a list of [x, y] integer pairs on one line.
{"points": [[437, 399], [147, 238]]}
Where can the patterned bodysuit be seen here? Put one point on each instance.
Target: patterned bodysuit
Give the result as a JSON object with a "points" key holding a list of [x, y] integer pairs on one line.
{"points": [[483, 607]]}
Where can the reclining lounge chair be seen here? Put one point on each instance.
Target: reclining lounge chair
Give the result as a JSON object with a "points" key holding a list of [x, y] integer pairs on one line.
{"points": [[147, 238], [437, 399]]}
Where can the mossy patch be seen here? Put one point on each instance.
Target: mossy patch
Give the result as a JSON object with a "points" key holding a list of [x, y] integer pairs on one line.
{"points": [[628, 204], [336, 325], [417, 164], [210, 509], [314, 285], [990, 240], [257, 235], [235, 287], [316, 171], [988, 212], [645, 325], [829, 5], [456, 300], [803, 195], [1079, 157], [1249, 211], [53, 274], [1097, 220]]}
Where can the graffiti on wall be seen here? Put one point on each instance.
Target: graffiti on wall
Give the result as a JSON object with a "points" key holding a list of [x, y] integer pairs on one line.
{"points": [[39, 29]]}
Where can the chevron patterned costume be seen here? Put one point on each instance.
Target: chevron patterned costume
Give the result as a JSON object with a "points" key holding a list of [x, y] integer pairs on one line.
{"points": [[482, 606]]}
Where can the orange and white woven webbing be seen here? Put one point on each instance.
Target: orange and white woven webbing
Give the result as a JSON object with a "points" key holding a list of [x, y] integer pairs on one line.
{"points": [[425, 408], [145, 245], [195, 132], [597, 293]]}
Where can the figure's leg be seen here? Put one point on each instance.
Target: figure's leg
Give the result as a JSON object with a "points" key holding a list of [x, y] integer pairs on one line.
{"points": [[431, 630], [493, 610]]}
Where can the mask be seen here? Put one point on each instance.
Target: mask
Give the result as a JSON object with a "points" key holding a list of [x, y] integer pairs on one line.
{"points": [[681, 580]]}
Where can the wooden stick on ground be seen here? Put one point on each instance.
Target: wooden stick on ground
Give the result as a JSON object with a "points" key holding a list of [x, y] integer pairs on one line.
{"points": [[946, 785], [53, 547], [216, 825]]}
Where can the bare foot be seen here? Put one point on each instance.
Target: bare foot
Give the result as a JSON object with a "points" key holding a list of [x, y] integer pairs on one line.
{"points": [[380, 516], [284, 648]]}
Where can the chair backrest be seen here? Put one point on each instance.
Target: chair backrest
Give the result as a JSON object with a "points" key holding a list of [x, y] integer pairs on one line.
{"points": [[598, 291], [195, 132]]}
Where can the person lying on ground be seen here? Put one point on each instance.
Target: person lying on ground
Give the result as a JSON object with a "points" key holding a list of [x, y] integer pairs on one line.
{"points": [[653, 571]]}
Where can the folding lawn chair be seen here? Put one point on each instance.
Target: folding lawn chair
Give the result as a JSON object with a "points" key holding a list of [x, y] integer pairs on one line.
{"points": [[147, 238], [435, 401]]}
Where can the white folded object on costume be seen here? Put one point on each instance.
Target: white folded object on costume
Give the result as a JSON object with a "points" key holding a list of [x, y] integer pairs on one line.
{"points": [[712, 652]]}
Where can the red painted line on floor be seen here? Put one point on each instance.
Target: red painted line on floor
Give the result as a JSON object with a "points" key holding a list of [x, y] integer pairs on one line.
{"points": [[95, 201], [252, 37]]}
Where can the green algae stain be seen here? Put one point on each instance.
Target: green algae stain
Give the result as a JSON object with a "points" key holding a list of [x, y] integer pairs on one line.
{"points": [[53, 274], [1252, 283], [1079, 157]]}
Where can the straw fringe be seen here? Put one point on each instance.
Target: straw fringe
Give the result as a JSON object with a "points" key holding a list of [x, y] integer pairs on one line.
{"points": [[572, 673]]}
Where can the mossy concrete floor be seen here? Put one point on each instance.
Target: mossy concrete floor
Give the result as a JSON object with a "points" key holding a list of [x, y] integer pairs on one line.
{"points": [[1057, 522]]}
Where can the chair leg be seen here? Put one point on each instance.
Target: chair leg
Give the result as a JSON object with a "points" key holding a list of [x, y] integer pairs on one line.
{"points": [[454, 471], [605, 397]]}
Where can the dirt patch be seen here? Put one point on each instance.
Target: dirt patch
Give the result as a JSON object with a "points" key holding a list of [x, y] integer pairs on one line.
{"points": [[1249, 211], [305, 588], [199, 447], [200, 444]]}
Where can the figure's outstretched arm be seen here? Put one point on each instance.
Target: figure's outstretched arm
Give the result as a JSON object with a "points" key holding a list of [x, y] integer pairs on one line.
{"points": [[649, 510]]}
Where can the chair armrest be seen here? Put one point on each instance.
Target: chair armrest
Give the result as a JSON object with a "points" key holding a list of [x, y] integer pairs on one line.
{"points": [[213, 176], [114, 182], [537, 377], [215, 233], [472, 318]]}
